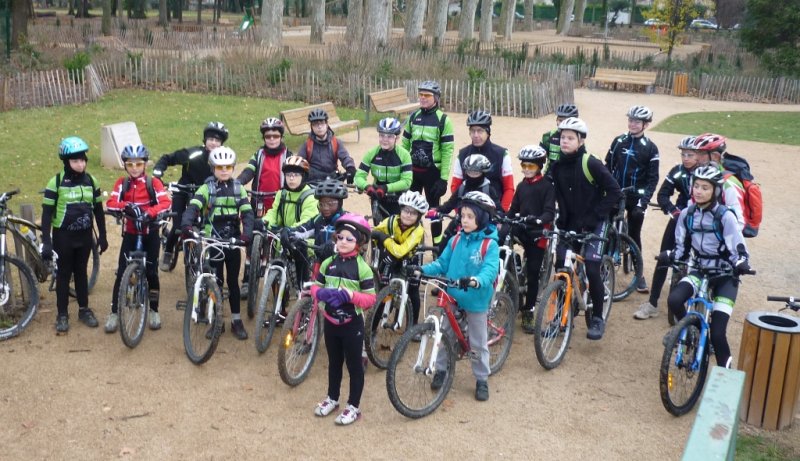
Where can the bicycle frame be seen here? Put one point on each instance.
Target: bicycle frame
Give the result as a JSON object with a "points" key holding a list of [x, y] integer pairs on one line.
{"points": [[206, 246], [571, 278], [445, 302], [398, 324], [706, 305]]}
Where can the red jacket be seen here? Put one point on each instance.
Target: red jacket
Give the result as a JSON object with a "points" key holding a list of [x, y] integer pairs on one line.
{"points": [[137, 194]]}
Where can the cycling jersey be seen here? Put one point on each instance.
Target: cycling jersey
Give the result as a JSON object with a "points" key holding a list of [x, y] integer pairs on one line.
{"points": [[392, 168], [193, 161], [678, 179], [634, 162], [265, 170], [285, 212], [401, 243], [501, 175], [428, 136], [223, 210]]}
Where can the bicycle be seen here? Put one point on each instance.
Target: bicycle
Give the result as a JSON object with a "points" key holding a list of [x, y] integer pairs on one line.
{"points": [[133, 296], [565, 297], [412, 365], [791, 302], [626, 255], [19, 294], [261, 252], [675, 275], [687, 346], [165, 225], [202, 319]]}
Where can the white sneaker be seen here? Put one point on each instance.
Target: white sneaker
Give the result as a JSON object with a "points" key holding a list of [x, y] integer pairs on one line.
{"points": [[325, 407], [155, 320], [348, 416], [112, 323], [646, 311]]}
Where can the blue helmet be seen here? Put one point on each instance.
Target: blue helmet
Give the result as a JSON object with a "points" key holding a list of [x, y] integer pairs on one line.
{"points": [[137, 151], [389, 125], [72, 147]]}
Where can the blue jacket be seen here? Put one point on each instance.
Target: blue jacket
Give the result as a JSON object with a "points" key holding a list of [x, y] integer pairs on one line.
{"points": [[465, 260]]}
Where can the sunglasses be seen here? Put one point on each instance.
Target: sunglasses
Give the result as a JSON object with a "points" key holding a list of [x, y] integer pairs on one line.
{"points": [[329, 204], [137, 164], [425, 95], [272, 136], [529, 166], [346, 238], [223, 167]]}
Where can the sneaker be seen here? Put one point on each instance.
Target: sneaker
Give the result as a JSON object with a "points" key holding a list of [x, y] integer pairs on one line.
{"points": [[86, 316], [112, 323], [641, 286], [244, 291], [211, 330], [646, 311], [166, 260], [597, 329], [325, 407], [237, 328], [62, 324], [155, 320], [482, 391], [438, 380], [364, 360], [527, 322], [348, 416]]}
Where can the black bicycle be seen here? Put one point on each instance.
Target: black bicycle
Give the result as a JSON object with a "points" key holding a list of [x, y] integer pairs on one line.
{"points": [[19, 295], [626, 255]]}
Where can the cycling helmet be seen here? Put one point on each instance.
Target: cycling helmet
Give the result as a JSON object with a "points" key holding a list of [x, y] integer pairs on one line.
{"points": [[481, 200], [356, 224], [567, 110], [574, 124], [272, 124], [687, 143], [479, 118], [415, 200], [476, 162], [295, 163], [533, 153], [712, 174], [222, 156], [72, 147], [431, 87], [642, 113], [709, 142], [317, 115], [137, 151], [389, 125], [330, 188], [217, 130]]}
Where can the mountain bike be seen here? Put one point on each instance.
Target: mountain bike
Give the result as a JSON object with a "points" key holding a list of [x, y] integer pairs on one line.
{"points": [[167, 227], [687, 346], [412, 364], [19, 294], [202, 319], [260, 251], [626, 255], [566, 297]]}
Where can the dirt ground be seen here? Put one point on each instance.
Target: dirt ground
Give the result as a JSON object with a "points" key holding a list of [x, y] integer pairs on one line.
{"points": [[86, 396]]}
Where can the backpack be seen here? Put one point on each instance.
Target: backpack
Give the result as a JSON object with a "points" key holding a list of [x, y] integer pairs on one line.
{"points": [[484, 244], [298, 204], [334, 144], [585, 167], [212, 193], [151, 191], [58, 186], [716, 228], [753, 204]]}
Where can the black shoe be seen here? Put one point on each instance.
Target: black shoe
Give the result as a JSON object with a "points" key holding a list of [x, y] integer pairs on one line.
{"points": [[86, 316], [641, 286], [62, 324], [527, 323], [597, 329], [482, 391], [244, 291], [211, 330], [438, 380], [237, 328]]}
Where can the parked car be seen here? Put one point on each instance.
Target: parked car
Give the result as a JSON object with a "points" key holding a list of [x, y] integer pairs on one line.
{"points": [[654, 22], [702, 24]]}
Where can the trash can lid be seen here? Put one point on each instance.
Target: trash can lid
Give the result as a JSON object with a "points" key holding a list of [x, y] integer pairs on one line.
{"points": [[773, 321]]}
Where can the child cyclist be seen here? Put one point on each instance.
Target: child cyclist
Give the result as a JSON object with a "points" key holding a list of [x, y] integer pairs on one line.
{"points": [[551, 141], [138, 196], [323, 150], [398, 237], [390, 166], [71, 198], [344, 287], [725, 244], [227, 214], [534, 200], [473, 258]]}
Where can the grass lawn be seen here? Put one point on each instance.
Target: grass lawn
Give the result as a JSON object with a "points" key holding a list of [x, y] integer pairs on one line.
{"points": [[755, 448], [770, 127], [166, 121]]}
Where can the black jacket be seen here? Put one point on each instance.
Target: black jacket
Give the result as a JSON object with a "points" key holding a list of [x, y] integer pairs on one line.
{"points": [[193, 161], [678, 179], [634, 162], [581, 204]]}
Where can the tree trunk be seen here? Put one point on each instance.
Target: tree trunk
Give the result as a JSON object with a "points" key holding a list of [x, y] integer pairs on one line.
{"points": [[466, 26], [630, 18], [105, 25], [199, 11], [162, 13], [529, 15], [580, 8], [317, 21], [19, 22], [439, 22], [375, 31], [486, 21], [271, 23], [355, 21], [415, 16], [564, 22], [507, 18]]}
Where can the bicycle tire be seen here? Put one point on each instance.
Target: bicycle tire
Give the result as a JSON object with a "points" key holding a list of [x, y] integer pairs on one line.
{"points": [[200, 348], [545, 272], [19, 297], [409, 386], [672, 374], [296, 356], [93, 273], [257, 264], [191, 268], [548, 325], [607, 275], [628, 264], [133, 303], [500, 330], [267, 310], [173, 262], [381, 341]]}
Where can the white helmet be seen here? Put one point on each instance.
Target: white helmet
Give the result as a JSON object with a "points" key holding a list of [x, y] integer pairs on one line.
{"points": [[533, 153], [574, 124], [481, 200], [642, 113], [222, 155], [415, 200]]}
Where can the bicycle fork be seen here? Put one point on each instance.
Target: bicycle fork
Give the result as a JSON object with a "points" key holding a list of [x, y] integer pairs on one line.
{"points": [[419, 365], [196, 300], [401, 313], [702, 342]]}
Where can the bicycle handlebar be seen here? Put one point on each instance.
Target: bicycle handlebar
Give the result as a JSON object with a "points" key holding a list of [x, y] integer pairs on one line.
{"points": [[573, 236], [178, 187], [7, 195], [259, 194]]}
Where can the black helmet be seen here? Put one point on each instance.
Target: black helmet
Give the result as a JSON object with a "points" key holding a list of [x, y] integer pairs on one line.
{"points": [[217, 130], [431, 87], [567, 110], [479, 118], [331, 188], [317, 115]]}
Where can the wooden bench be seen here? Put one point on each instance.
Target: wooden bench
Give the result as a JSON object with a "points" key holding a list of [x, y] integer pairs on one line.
{"points": [[394, 100], [625, 77], [296, 120]]}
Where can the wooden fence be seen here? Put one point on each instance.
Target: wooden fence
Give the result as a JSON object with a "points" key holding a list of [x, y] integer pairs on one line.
{"points": [[49, 88]]}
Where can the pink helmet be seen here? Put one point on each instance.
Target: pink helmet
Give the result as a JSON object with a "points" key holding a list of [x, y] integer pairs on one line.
{"points": [[709, 142], [356, 224]]}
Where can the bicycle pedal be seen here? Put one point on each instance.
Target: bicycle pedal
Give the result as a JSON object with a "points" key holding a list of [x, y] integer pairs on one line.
{"points": [[180, 305]]}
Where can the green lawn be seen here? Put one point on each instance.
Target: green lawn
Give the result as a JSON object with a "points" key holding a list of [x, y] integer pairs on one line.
{"points": [[770, 127], [755, 448], [166, 121]]}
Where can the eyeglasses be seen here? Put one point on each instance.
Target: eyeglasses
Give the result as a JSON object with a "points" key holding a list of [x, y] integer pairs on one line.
{"points": [[272, 136], [223, 167], [328, 203], [136, 164], [425, 95], [346, 238], [529, 167], [407, 210], [293, 174]]}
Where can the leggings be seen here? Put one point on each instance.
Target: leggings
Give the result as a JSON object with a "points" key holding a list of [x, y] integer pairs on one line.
{"points": [[233, 259], [150, 243], [660, 272], [179, 202], [74, 249], [635, 226], [344, 344], [593, 256], [534, 255]]}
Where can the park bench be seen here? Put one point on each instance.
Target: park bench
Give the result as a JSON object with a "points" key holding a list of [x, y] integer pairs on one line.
{"points": [[394, 100], [624, 77], [296, 120]]}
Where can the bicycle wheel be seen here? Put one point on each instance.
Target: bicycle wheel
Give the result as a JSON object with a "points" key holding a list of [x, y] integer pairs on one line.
{"points": [[133, 303], [93, 271], [552, 325], [511, 287], [191, 268], [298, 351], [258, 264], [628, 265], [19, 297], [680, 381], [500, 330], [382, 324], [268, 309], [546, 272], [607, 275], [408, 377], [206, 307]]}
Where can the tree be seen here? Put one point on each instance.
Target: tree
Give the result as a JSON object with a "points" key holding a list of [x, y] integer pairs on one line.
{"points": [[105, 25], [375, 25], [486, 21], [580, 9], [507, 18], [272, 22], [355, 21], [19, 22], [771, 31], [415, 16], [674, 17], [439, 22], [466, 25], [564, 15], [529, 6], [162, 12], [317, 21]]}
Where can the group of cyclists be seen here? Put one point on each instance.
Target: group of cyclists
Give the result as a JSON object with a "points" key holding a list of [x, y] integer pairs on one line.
{"points": [[301, 197]]}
